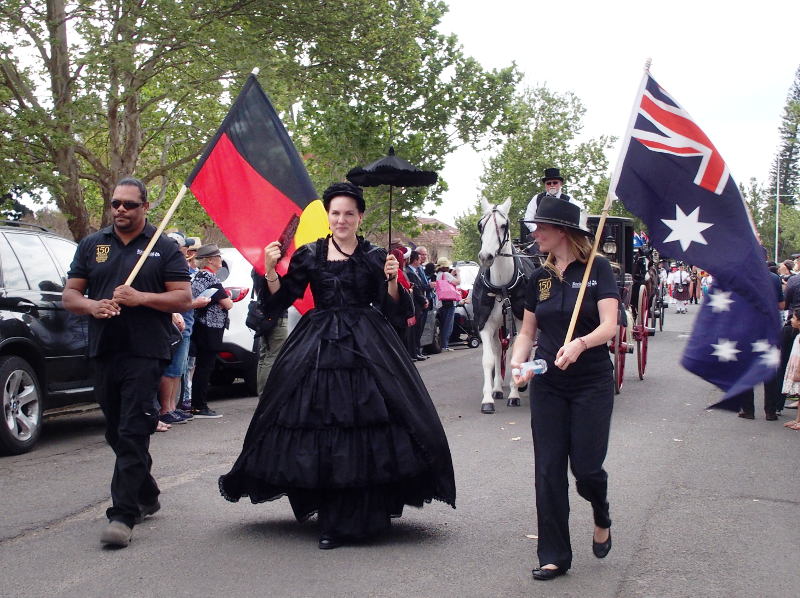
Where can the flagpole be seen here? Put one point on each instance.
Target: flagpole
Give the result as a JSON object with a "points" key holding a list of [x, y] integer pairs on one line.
{"points": [[582, 291], [157, 234], [609, 199]]}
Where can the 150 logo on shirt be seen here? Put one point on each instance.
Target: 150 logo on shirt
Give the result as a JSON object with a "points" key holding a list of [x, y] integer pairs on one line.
{"points": [[544, 288]]}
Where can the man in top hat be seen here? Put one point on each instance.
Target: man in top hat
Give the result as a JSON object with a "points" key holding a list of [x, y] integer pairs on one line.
{"points": [[553, 181]]}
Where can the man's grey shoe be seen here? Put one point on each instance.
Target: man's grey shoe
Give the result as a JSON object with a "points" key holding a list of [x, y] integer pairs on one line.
{"points": [[147, 510], [116, 534]]}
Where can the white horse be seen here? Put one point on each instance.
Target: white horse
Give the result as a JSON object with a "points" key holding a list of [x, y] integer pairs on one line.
{"points": [[500, 284]]}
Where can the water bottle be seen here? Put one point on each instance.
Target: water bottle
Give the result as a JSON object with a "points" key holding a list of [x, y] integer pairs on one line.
{"points": [[537, 366]]}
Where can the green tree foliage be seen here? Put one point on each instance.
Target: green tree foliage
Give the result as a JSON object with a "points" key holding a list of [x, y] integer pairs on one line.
{"points": [[94, 90], [785, 172], [548, 125]]}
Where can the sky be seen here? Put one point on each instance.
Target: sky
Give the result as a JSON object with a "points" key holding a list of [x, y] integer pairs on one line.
{"points": [[729, 64]]}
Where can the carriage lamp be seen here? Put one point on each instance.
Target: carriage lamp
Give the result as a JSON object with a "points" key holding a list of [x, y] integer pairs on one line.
{"points": [[609, 246]]}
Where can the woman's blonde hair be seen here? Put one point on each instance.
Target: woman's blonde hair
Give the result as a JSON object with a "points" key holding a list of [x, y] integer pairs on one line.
{"points": [[578, 244]]}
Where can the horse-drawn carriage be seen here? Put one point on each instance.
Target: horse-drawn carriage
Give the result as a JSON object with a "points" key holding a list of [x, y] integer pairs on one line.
{"points": [[499, 295], [637, 281]]}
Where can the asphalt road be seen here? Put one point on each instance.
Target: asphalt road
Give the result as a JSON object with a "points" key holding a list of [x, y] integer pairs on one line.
{"points": [[704, 504]]}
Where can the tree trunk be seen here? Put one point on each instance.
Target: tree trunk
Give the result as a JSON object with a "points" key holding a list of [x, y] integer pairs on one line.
{"points": [[68, 194]]}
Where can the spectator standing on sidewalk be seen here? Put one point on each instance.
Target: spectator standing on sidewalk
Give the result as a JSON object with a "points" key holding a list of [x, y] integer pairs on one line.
{"points": [[129, 340], [773, 399], [170, 385], [209, 325]]}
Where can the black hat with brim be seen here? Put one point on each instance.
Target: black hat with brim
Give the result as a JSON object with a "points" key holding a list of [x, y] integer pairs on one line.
{"points": [[560, 212], [552, 174]]}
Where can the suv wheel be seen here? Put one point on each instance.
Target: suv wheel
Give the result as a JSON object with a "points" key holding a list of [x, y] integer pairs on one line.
{"points": [[22, 406], [435, 347]]}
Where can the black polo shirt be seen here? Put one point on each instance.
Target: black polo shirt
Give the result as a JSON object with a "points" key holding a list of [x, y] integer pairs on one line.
{"points": [[105, 262], [552, 300]]}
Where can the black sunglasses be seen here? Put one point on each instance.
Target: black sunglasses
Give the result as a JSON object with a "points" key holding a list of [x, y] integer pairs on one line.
{"points": [[129, 205]]}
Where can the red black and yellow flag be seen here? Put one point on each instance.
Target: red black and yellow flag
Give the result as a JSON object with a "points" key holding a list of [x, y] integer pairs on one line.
{"points": [[252, 182]]}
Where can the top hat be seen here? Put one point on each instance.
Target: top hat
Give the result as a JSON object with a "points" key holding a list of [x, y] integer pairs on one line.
{"points": [[552, 173], [560, 212], [209, 250]]}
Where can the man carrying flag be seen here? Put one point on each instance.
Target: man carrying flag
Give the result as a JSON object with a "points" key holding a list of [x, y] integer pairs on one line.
{"points": [[672, 177]]}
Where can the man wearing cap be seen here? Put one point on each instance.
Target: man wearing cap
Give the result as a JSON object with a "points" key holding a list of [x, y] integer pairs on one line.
{"points": [[171, 379], [553, 181], [130, 334]]}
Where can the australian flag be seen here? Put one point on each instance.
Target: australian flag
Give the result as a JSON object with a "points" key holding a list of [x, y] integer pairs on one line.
{"points": [[674, 179]]}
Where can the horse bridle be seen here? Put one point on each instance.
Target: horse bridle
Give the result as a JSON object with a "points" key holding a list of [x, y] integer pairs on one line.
{"points": [[501, 240]]}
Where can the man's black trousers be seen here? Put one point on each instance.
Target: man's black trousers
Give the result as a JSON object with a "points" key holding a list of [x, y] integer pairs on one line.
{"points": [[126, 390], [570, 422]]}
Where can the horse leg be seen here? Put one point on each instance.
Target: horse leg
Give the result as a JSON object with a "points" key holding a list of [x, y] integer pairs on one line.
{"points": [[513, 393], [497, 386], [488, 339]]}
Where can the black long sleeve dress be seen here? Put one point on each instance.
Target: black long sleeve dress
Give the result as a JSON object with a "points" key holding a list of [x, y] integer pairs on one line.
{"points": [[345, 426]]}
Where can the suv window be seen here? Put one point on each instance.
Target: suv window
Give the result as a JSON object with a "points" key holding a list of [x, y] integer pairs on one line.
{"points": [[39, 268], [62, 250], [13, 278]]}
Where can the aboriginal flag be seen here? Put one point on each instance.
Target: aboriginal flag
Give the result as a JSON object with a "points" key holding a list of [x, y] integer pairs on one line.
{"points": [[252, 182]]}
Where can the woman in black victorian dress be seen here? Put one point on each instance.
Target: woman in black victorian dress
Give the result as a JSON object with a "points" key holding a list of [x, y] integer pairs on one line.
{"points": [[345, 426]]}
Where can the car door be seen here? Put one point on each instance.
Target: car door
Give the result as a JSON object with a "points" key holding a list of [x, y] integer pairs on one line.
{"points": [[33, 295]]}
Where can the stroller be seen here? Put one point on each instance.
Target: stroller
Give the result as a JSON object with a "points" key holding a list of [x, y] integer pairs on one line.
{"points": [[464, 330]]}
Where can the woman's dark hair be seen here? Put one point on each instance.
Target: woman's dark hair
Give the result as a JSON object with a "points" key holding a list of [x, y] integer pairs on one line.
{"points": [[430, 269], [796, 312], [347, 189], [132, 182]]}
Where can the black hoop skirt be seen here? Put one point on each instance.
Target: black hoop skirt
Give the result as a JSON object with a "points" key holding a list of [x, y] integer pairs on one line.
{"points": [[345, 426]]}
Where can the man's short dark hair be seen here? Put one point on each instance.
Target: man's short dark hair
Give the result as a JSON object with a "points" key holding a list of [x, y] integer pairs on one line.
{"points": [[132, 182], [413, 256]]}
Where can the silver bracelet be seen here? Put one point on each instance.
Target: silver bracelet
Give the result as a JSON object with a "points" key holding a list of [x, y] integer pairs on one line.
{"points": [[271, 279]]}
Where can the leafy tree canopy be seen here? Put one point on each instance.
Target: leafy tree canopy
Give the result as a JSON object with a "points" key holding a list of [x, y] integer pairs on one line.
{"points": [[91, 91]]}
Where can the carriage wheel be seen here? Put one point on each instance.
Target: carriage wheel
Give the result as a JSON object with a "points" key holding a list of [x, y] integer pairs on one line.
{"points": [[663, 311], [642, 335], [620, 349], [652, 310]]}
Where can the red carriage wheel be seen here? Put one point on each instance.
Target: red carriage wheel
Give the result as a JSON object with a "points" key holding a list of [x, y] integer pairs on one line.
{"points": [[620, 348], [641, 332]]}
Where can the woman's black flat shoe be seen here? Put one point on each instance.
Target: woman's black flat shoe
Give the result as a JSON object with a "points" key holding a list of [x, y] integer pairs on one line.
{"points": [[547, 574], [601, 549], [327, 543]]}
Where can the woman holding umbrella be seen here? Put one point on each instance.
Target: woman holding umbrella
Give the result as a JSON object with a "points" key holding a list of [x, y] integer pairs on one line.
{"points": [[345, 426]]}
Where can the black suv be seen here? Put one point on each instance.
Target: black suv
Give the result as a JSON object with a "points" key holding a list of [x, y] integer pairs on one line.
{"points": [[43, 348]]}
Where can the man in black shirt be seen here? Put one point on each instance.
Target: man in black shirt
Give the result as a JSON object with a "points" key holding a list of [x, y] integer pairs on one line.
{"points": [[130, 335]]}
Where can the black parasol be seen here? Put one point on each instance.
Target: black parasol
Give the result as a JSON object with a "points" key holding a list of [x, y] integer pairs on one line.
{"points": [[393, 171]]}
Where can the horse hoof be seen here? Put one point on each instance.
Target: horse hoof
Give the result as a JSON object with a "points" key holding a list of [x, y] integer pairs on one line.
{"points": [[497, 395], [513, 402], [487, 408]]}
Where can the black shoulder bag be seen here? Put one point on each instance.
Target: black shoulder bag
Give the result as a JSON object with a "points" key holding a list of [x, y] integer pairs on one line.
{"points": [[258, 321]]}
